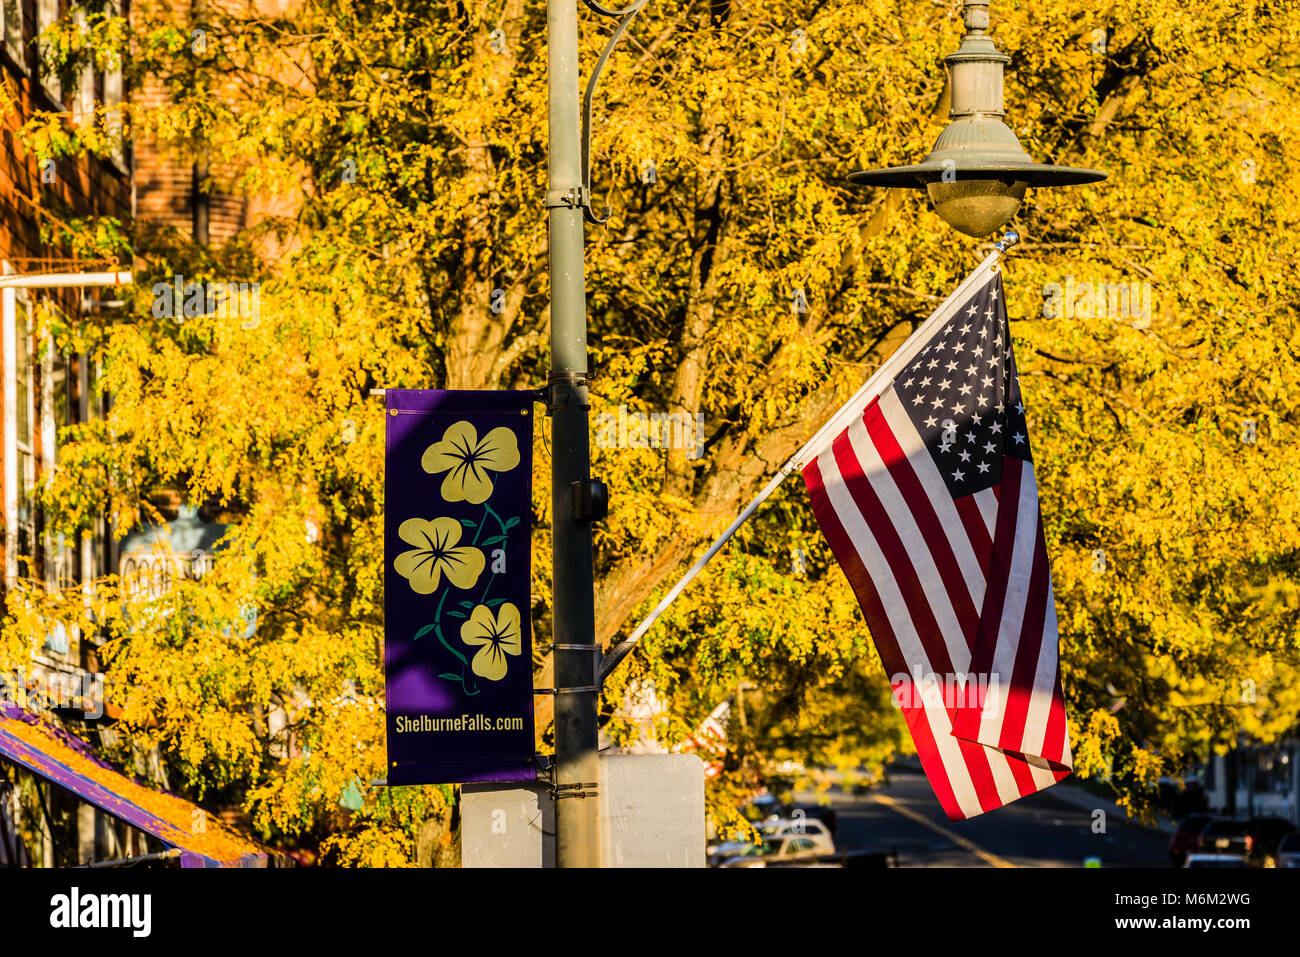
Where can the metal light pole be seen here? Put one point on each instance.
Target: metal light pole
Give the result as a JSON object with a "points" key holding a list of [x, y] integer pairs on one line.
{"points": [[577, 802]]}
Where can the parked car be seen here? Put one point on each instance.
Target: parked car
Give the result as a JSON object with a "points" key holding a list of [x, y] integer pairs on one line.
{"points": [[821, 812], [1187, 837], [1226, 838], [782, 849], [719, 854], [1198, 860], [807, 827], [1288, 851], [1266, 833]]}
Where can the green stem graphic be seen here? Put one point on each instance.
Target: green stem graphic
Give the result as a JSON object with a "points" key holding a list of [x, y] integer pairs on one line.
{"points": [[464, 662]]}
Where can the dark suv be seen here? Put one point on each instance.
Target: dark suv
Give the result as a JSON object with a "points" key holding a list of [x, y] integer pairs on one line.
{"points": [[1227, 838]]}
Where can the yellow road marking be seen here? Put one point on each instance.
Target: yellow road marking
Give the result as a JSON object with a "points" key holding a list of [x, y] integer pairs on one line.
{"points": [[953, 836]]}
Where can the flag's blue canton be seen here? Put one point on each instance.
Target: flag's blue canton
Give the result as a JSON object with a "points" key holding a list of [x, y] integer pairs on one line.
{"points": [[957, 395]]}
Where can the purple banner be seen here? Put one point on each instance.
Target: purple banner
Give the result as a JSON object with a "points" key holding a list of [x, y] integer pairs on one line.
{"points": [[457, 590]]}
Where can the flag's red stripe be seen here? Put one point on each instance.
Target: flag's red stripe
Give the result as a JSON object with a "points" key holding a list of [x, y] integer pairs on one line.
{"points": [[1020, 771], [927, 521], [1015, 712], [967, 723], [891, 656], [1054, 743], [972, 519], [895, 555], [936, 772]]}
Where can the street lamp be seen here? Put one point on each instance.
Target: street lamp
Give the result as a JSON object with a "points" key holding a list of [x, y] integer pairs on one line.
{"points": [[977, 173]]}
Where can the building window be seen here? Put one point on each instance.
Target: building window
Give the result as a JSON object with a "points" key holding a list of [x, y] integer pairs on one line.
{"points": [[83, 103], [11, 24], [20, 520], [114, 95], [47, 14]]}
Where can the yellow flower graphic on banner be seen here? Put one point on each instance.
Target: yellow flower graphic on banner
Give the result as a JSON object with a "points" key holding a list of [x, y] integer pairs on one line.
{"points": [[499, 636], [468, 460], [436, 554]]}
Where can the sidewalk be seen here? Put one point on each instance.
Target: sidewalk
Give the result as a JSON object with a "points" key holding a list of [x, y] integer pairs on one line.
{"points": [[1083, 798]]}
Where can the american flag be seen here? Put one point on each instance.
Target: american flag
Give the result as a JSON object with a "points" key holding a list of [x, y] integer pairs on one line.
{"points": [[928, 501]]}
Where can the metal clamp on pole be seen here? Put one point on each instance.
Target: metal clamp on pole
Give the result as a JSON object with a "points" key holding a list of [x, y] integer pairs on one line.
{"points": [[574, 790], [574, 690], [567, 390], [575, 197]]}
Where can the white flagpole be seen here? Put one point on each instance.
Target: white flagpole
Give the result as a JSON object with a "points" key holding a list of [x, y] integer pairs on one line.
{"points": [[874, 385]]}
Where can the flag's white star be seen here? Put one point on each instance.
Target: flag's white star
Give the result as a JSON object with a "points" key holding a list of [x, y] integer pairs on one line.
{"points": [[965, 456], [1019, 438], [988, 447], [951, 366], [965, 390], [979, 350], [931, 422], [975, 418], [994, 295], [945, 446], [925, 383], [988, 314], [984, 400], [1020, 408], [972, 310], [937, 403], [932, 363], [970, 436], [944, 384], [908, 383], [997, 427], [971, 369], [988, 382], [959, 347], [958, 408], [919, 399], [965, 329], [984, 466], [958, 475]]}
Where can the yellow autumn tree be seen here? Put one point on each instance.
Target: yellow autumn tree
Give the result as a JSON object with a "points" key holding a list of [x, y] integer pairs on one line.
{"points": [[740, 279]]}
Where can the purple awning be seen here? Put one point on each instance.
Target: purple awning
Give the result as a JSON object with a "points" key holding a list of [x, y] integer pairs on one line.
{"points": [[68, 762]]}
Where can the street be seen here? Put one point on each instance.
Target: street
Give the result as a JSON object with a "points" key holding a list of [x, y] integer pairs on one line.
{"points": [[1037, 831]]}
